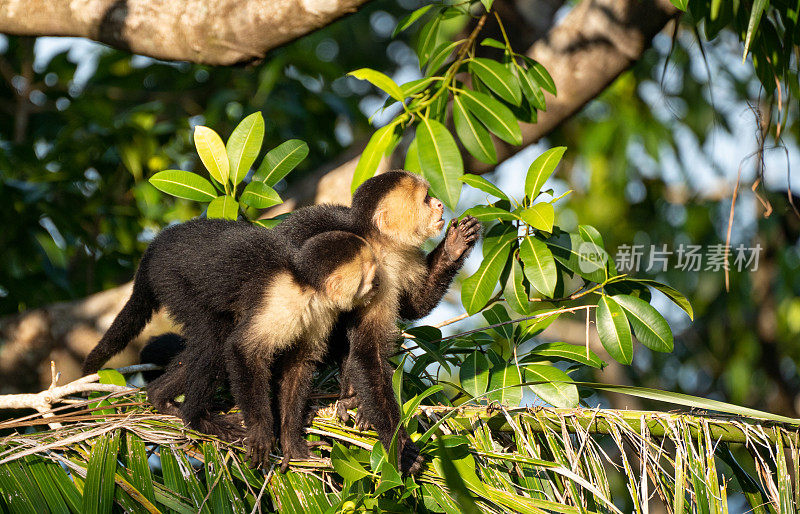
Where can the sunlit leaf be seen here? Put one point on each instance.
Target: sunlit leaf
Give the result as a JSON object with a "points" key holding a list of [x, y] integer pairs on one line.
{"points": [[491, 42], [224, 207], [379, 80], [184, 184], [541, 169], [614, 331], [752, 24], [243, 146], [440, 161], [540, 216], [540, 267], [259, 195], [212, 152], [497, 78], [440, 55], [412, 158], [490, 213], [557, 390], [372, 155], [496, 315], [496, 116], [484, 185], [473, 135], [541, 75], [346, 465], [651, 329], [280, 161], [670, 292]]}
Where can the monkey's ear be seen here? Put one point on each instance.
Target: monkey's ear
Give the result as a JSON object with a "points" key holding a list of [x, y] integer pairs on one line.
{"points": [[334, 286]]}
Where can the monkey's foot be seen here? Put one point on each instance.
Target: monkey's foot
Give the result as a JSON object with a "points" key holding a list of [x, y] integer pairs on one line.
{"points": [[259, 444], [227, 427], [344, 404], [411, 459], [300, 454]]}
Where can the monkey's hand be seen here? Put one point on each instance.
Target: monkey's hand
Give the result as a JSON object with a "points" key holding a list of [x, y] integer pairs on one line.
{"points": [[259, 444], [461, 237]]}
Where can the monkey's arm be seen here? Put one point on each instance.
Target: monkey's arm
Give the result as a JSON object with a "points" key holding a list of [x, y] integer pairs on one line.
{"points": [[443, 263]]}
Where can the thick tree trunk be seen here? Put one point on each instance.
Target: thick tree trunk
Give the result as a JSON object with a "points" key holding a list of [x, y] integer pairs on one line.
{"points": [[203, 31]]}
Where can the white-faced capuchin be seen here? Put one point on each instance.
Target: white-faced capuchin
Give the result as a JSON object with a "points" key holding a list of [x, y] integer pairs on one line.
{"points": [[395, 215], [242, 296]]}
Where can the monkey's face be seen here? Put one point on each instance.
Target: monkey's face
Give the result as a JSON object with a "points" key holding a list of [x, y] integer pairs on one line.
{"points": [[355, 282], [408, 214]]}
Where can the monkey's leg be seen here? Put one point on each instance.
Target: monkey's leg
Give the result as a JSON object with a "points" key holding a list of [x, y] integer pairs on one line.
{"points": [[348, 398], [204, 370], [294, 389], [249, 375], [374, 388]]}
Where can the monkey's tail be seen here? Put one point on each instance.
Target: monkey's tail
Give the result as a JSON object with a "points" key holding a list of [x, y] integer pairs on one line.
{"points": [[128, 323]]}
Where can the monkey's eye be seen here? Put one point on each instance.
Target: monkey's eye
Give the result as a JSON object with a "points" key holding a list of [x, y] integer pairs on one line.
{"points": [[427, 199]]}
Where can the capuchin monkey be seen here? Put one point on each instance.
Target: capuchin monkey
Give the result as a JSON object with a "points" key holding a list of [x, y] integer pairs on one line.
{"points": [[243, 296], [395, 215]]}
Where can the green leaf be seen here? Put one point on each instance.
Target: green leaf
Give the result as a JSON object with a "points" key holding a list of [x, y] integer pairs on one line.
{"points": [[565, 351], [346, 465], [541, 75], [272, 222], [473, 135], [444, 463], [490, 213], [530, 88], [372, 155], [390, 478], [484, 185], [496, 116], [497, 78], [496, 315], [680, 4], [280, 161], [428, 40], [415, 86], [613, 329], [440, 161], [440, 56], [541, 216], [474, 373], [540, 267], [541, 169], [752, 24], [224, 207], [98, 492], [514, 292], [477, 289], [243, 146], [570, 251], [557, 391], [651, 329], [184, 184], [505, 384], [410, 19], [670, 292], [111, 376], [136, 462], [259, 195], [491, 42], [412, 158], [379, 80], [487, 4], [212, 152]]}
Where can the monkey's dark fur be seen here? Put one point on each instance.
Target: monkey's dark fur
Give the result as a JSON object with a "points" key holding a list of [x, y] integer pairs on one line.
{"points": [[393, 213], [209, 275]]}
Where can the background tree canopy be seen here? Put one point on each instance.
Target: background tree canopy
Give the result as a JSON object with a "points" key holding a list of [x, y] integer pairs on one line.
{"points": [[674, 140]]}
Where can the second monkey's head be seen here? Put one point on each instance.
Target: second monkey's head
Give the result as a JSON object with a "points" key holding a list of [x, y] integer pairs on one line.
{"points": [[397, 205], [340, 265]]}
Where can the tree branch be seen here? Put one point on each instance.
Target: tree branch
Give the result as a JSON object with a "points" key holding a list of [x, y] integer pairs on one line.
{"points": [[596, 42], [220, 32]]}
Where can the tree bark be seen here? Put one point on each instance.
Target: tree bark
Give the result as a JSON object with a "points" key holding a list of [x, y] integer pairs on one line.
{"points": [[219, 32]]}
